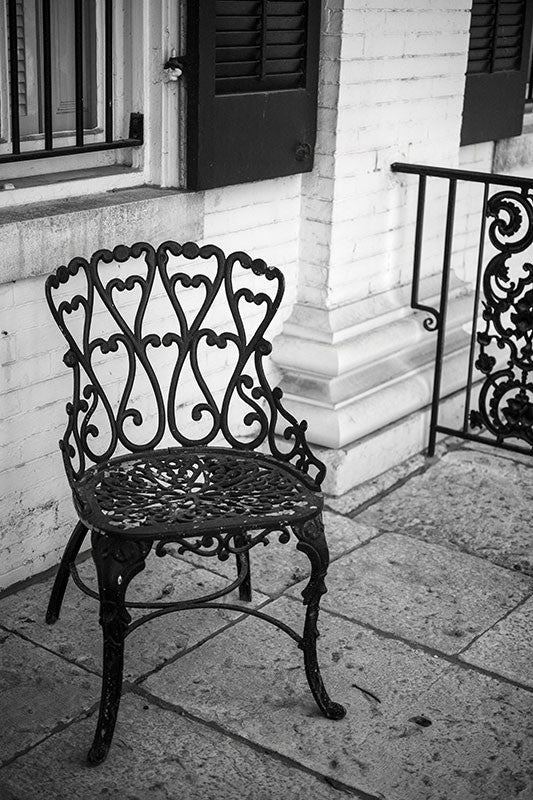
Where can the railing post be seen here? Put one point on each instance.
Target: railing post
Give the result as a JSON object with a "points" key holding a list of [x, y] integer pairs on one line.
{"points": [[443, 307], [47, 76], [78, 62], [108, 70], [479, 271]]}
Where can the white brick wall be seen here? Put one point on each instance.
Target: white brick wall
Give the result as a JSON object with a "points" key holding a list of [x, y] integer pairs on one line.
{"points": [[476, 157], [400, 98]]}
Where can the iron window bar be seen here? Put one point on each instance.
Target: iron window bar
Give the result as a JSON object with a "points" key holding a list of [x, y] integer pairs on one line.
{"points": [[529, 85], [135, 136], [509, 211]]}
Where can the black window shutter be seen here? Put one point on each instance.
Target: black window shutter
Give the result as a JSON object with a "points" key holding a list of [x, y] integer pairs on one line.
{"points": [[497, 71], [252, 82]]}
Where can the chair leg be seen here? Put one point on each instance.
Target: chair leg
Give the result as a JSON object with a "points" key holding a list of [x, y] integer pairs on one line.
{"points": [[243, 562], [312, 542], [117, 562], [63, 573]]}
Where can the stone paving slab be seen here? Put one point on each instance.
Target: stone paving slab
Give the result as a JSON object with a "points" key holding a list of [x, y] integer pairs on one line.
{"points": [[38, 692], [77, 634], [422, 592], [507, 648], [439, 732], [276, 567], [251, 680], [156, 755], [480, 744], [471, 500]]}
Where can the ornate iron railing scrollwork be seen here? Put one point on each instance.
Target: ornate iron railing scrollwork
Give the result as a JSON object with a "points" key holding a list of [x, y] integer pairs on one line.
{"points": [[505, 406], [501, 348]]}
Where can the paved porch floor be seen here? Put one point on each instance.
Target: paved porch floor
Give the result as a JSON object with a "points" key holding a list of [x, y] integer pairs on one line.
{"points": [[426, 638]]}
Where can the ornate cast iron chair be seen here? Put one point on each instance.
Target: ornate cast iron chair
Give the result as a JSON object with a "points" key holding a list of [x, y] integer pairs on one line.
{"points": [[216, 493]]}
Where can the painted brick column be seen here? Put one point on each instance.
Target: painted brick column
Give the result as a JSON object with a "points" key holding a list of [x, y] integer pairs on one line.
{"points": [[355, 361]]}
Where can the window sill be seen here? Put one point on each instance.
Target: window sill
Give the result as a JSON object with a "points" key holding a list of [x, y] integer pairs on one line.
{"points": [[62, 185], [37, 237]]}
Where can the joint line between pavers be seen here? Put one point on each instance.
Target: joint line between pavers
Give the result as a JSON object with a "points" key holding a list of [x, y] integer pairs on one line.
{"points": [[59, 728], [39, 577], [521, 603], [385, 492], [428, 463], [419, 646], [141, 691], [71, 661], [357, 546], [196, 645]]}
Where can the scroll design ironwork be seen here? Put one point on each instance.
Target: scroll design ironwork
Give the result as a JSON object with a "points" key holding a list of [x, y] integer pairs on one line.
{"points": [[192, 490], [247, 381], [505, 406], [221, 544]]}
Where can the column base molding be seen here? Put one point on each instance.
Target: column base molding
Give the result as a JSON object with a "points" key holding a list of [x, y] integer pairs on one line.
{"points": [[366, 396], [388, 447]]}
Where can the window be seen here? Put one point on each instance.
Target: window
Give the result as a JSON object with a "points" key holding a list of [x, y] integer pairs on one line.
{"points": [[65, 94], [31, 88], [252, 89], [497, 70], [87, 69]]}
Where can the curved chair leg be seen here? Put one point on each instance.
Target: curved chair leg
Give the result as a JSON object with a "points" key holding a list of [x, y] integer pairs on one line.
{"points": [[312, 542], [243, 562], [117, 562], [63, 573]]}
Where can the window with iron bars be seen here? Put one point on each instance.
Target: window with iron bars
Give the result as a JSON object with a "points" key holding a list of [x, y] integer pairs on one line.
{"points": [[68, 87]]}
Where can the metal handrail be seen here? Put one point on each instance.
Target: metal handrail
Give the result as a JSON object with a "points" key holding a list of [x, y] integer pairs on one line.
{"points": [[462, 175], [507, 303]]}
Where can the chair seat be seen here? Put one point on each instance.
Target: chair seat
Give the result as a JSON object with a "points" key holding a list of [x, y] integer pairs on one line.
{"points": [[181, 491]]}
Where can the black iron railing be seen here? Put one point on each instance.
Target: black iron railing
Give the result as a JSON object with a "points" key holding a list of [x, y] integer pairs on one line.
{"points": [[498, 385], [135, 136]]}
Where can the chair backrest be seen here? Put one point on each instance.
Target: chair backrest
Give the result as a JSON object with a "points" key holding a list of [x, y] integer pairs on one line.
{"points": [[152, 330]]}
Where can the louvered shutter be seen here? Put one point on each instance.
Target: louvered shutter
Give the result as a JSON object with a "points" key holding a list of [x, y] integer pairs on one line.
{"points": [[21, 58], [252, 77], [28, 108], [498, 60]]}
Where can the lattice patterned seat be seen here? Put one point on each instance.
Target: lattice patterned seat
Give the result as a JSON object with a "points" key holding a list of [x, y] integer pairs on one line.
{"points": [[137, 343], [181, 491]]}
